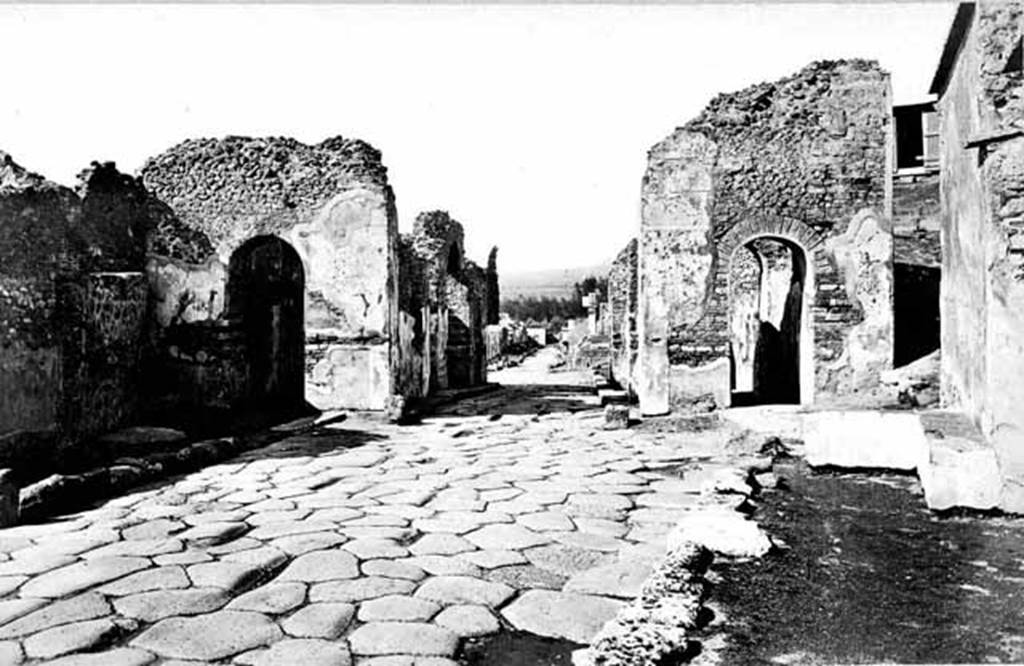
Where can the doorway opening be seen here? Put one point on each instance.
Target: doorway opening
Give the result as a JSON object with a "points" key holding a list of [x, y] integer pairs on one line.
{"points": [[265, 297], [768, 322]]}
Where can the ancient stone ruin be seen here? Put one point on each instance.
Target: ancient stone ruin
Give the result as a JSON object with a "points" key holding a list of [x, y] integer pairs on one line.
{"points": [[981, 108], [764, 262], [234, 274]]}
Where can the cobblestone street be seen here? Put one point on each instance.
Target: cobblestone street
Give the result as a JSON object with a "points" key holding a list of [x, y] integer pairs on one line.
{"points": [[367, 543]]}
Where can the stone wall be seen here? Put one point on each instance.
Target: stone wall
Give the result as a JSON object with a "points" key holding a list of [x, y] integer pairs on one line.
{"points": [[332, 204], [445, 303], [621, 311], [982, 291], [72, 306], [806, 159]]}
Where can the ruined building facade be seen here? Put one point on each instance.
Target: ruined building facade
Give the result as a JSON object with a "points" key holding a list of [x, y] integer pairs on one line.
{"points": [[232, 274], [764, 263], [981, 105]]}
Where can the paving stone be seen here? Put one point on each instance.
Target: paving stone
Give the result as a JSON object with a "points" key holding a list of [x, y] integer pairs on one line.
{"points": [[566, 560], [622, 579], [323, 620], [9, 584], [360, 589], [336, 514], [526, 577], [368, 549], [153, 529], [234, 546], [114, 657], [88, 606], [278, 530], [184, 557], [546, 521], [273, 598], [306, 543], [153, 606], [393, 569], [564, 615], [509, 537], [268, 517], [610, 528], [491, 558], [440, 565], [70, 638], [322, 565], [10, 653], [34, 565], [210, 637], [403, 638], [450, 590], [230, 576], [393, 533], [211, 534], [161, 578], [11, 609], [468, 621], [397, 608], [137, 548], [589, 541], [305, 651], [265, 558]]}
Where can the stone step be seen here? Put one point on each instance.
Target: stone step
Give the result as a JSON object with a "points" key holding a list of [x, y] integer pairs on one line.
{"points": [[864, 439], [961, 469], [609, 396]]}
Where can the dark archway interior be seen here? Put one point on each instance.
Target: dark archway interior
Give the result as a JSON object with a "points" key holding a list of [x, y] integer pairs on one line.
{"points": [[766, 296], [916, 326], [458, 349], [265, 297]]}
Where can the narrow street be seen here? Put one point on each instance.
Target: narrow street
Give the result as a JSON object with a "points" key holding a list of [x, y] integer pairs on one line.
{"points": [[509, 514]]}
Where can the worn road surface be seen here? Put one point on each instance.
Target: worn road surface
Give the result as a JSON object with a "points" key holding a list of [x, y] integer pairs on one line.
{"points": [[361, 542]]}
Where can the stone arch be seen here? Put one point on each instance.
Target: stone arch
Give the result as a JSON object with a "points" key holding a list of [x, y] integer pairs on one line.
{"points": [[774, 307], [265, 297], [808, 252]]}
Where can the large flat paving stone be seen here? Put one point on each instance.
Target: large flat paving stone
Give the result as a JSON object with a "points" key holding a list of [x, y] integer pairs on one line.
{"points": [[324, 620], [451, 590], [505, 537], [622, 579], [82, 575], [468, 621], [114, 657], [209, 637], [274, 598], [88, 606], [305, 651], [72, 637], [403, 638], [159, 604], [397, 608], [322, 565], [575, 617], [360, 589]]}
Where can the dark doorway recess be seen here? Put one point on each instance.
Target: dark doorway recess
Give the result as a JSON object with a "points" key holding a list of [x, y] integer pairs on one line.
{"points": [[915, 312], [265, 298], [766, 314]]}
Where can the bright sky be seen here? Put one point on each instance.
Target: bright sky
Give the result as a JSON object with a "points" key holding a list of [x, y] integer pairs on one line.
{"points": [[529, 124]]}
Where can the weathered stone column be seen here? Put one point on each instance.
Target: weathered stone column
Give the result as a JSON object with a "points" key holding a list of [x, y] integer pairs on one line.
{"points": [[675, 259]]}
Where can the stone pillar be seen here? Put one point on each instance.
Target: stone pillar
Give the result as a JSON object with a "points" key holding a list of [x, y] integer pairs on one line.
{"points": [[675, 258]]}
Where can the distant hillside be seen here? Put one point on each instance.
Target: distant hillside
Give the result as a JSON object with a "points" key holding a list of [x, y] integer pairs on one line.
{"points": [[554, 282]]}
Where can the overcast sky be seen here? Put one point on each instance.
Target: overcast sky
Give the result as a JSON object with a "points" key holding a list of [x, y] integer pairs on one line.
{"points": [[529, 124]]}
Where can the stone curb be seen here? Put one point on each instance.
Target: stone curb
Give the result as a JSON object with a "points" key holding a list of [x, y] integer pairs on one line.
{"points": [[656, 623], [60, 492]]}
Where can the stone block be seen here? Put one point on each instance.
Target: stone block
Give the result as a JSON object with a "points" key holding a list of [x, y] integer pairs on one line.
{"points": [[960, 473], [616, 417], [865, 439]]}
